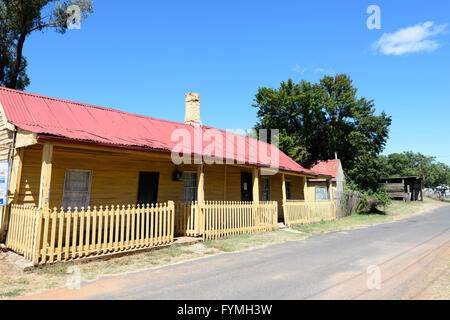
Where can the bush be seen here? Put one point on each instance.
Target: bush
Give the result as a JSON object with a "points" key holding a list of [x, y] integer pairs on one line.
{"points": [[371, 201]]}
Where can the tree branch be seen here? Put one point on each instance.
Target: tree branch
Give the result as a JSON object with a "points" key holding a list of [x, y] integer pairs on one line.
{"points": [[47, 25]]}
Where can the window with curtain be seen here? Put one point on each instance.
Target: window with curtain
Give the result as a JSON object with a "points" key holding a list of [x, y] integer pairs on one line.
{"points": [[190, 186], [265, 189], [77, 188]]}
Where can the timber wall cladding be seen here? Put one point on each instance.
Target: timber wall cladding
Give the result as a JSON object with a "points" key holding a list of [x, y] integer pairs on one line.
{"points": [[115, 176], [5, 139], [276, 190], [215, 182], [311, 190]]}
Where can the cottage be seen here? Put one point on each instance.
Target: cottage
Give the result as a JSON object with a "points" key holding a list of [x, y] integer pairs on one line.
{"points": [[74, 166], [318, 186]]}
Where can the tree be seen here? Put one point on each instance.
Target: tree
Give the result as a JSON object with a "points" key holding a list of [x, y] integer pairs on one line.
{"points": [[20, 18], [408, 164], [7, 60], [318, 119]]}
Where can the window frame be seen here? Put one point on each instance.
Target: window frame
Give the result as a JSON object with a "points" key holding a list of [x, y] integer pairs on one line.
{"points": [[262, 188], [288, 190], [88, 196], [196, 186]]}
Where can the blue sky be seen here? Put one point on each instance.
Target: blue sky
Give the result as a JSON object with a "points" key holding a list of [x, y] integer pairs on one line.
{"points": [[142, 56]]}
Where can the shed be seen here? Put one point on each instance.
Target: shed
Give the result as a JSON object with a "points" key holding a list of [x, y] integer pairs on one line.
{"points": [[403, 188]]}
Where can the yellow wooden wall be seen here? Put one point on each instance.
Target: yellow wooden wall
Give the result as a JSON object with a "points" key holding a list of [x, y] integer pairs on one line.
{"points": [[296, 187], [5, 139], [216, 183], [115, 177], [311, 191], [276, 189]]}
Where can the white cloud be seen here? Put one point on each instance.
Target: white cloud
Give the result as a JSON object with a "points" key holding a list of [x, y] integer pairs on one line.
{"points": [[298, 69], [325, 71], [410, 39]]}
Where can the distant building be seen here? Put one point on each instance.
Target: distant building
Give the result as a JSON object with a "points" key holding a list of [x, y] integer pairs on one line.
{"points": [[403, 188], [318, 187]]}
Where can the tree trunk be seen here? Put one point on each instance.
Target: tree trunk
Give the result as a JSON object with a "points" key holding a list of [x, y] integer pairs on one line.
{"points": [[18, 63]]}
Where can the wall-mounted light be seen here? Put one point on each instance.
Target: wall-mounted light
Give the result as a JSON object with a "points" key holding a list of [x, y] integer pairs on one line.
{"points": [[177, 175]]}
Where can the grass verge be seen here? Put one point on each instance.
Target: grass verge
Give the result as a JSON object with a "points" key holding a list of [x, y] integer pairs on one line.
{"points": [[395, 211], [247, 241]]}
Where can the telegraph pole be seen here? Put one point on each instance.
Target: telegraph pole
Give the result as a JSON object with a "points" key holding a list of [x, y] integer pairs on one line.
{"points": [[421, 180]]}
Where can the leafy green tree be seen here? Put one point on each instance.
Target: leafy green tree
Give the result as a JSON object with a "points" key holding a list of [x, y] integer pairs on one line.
{"points": [[7, 52], [318, 119], [408, 164], [19, 19]]}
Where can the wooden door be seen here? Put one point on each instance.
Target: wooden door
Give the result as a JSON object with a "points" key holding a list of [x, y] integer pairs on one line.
{"points": [[246, 186], [148, 187]]}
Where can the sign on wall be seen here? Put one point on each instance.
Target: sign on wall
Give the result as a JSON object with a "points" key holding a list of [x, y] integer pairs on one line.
{"points": [[4, 178]]}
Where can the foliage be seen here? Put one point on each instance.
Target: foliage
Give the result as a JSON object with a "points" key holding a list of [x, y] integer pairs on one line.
{"points": [[318, 119], [408, 164], [371, 200], [20, 18], [7, 53]]}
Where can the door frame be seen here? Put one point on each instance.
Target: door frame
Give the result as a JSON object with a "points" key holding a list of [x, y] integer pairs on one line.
{"points": [[250, 191], [139, 185]]}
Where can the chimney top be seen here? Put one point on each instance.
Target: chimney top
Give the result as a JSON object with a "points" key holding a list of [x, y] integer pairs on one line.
{"points": [[192, 116]]}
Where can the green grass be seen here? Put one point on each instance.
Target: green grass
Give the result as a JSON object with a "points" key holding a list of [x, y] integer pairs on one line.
{"points": [[135, 262], [58, 270], [246, 241], [13, 293], [350, 222], [22, 281]]}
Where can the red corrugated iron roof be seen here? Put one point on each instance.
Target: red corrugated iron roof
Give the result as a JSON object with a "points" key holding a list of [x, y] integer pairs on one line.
{"points": [[57, 119], [325, 167]]}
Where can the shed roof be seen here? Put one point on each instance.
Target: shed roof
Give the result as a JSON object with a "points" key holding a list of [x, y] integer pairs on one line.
{"points": [[399, 178], [76, 122]]}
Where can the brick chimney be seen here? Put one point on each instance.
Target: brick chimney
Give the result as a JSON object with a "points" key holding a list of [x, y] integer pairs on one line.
{"points": [[192, 109]]}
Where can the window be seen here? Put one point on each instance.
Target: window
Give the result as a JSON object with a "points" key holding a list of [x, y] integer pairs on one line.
{"points": [[190, 186], [321, 193], [288, 190], [265, 189], [77, 188]]}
